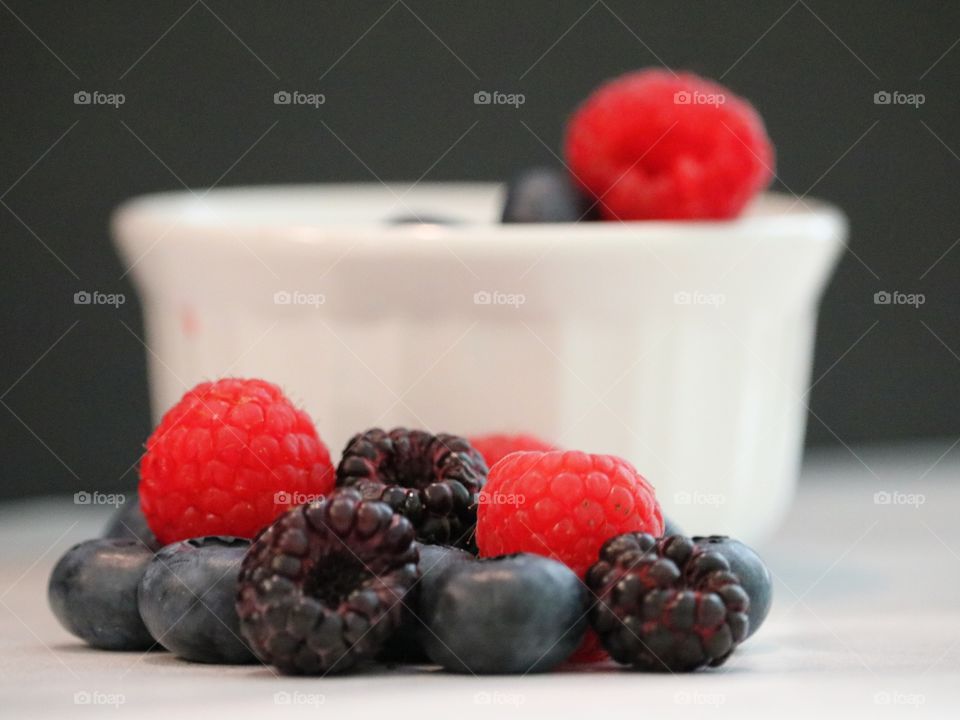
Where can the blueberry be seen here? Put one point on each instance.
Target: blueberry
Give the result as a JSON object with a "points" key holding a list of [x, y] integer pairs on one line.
{"points": [[753, 573], [187, 598], [93, 593], [405, 645], [544, 195], [513, 614], [670, 527], [421, 219], [128, 522]]}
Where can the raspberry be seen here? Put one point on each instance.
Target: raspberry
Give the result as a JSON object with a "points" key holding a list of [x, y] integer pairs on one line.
{"points": [[432, 479], [227, 459], [651, 145], [322, 588], [497, 446], [564, 505], [666, 604]]}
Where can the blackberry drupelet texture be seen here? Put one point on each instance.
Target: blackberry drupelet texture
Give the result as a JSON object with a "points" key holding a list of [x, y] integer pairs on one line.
{"points": [[322, 589], [753, 574], [433, 480], [666, 605]]}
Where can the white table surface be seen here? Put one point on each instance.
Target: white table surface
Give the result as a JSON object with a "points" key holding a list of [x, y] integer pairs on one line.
{"points": [[866, 622]]}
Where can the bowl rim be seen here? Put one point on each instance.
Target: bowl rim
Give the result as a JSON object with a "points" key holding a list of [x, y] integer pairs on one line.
{"points": [[171, 215]]}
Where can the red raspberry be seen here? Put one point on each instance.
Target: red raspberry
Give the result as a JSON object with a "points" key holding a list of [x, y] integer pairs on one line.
{"points": [[565, 505], [651, 145], [496, 446], [229, 458]]}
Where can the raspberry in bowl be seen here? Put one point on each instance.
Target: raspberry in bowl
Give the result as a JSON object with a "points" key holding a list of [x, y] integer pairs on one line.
{"points": [[682, 345]]}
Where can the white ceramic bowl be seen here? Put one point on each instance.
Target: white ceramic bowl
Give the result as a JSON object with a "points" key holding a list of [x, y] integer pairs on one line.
{"points": [[682, 346]]}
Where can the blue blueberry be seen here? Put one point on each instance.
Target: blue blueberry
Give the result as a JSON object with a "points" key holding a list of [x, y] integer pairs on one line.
{"points": [[187, 599], [544, 195], [128, 522], [405, 645], [670, 527], [513, 614], [422, 219], [93, 593], [750, 569]]}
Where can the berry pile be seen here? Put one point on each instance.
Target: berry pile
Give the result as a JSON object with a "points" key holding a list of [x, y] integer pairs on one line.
{"points": [[497, 554], [384, 565]]}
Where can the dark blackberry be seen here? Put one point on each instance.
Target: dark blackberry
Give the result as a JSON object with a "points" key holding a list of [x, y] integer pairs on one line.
{"points": [[322, 588], [753, 574], [666, 605], [433, 480]]}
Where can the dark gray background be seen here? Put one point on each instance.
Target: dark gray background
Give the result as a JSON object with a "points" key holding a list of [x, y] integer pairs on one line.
{"points": [[399, 78]]}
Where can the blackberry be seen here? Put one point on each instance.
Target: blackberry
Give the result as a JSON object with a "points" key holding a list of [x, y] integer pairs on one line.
{"points": [[432, 480], [322, 588], [753, 574], [667, 604]]}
